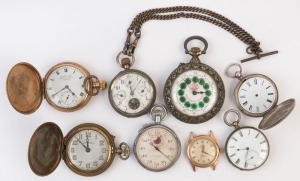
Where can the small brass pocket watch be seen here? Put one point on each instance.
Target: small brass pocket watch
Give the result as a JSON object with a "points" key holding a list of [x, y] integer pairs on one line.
{"points": [[256, 95], [247, 148], [88, 149], [157, 147], [132, 92], [203, 151], [67, 87], [194, 92]]}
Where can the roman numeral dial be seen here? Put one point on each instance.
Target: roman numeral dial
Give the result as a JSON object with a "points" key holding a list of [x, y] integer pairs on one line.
{"points": [[247, 148], [256, 95], [64, 86]]}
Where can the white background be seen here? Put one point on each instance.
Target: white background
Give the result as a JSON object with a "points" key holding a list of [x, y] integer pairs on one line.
{"points": [[92, 32]]}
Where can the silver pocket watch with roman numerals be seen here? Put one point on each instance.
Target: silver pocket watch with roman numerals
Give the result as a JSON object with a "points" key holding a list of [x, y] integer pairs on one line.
{"points": [[256, 95], [247, 148]]}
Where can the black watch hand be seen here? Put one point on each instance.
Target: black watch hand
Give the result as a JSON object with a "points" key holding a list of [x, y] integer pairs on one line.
{"points": [[58, 91], [87, 145], [157, 149], [81, 143], [136, 86], [195, 92], [67, 87]]}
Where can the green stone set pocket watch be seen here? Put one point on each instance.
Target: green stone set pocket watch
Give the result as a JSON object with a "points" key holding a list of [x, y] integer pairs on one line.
{"points": [[247, 148], [88, 149], [256, 95], [157, 147], [67, 87], [194, 92]]}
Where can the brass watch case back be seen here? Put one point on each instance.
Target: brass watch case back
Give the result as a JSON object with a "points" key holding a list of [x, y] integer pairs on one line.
{"points": [[275, 114], [151, 126], [115, 107], [184, 67], [214, 141], [25, 88], [47, 146]]}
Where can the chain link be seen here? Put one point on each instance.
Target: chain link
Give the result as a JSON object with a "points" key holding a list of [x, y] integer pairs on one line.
{"points": [[190, 12]]}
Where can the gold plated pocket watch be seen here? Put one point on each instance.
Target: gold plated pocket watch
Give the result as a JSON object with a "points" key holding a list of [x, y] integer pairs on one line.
{"points": [[88, 149], [157, 147], [132, 92], [256, 95], [247, 148], [203, 151], [194, 92], [67, 87]]}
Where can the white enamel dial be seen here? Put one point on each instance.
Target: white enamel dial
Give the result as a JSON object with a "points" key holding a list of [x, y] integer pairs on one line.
{"points": [[157, 148], [132, 93], [257, 95], [64, 87], [194, 93], [87, 150], [203, 151], [247, 148]]}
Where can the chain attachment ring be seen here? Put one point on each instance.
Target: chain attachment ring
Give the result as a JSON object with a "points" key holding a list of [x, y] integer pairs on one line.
{"points": [[238, 73], [126, 62], [195, 38], [158, 113], [235, 124]]}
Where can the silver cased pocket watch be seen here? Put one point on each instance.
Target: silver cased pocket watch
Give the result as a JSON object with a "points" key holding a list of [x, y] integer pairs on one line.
{"points": [[157, 147], [256, 95], [131, 93], [194, 92], [247, 148], [88, 149], [66, 87]]}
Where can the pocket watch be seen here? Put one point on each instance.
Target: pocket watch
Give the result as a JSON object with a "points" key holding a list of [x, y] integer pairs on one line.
{"points": [[203, 151], [256, 95], [88, 149], [194, 92], [247, 148], [67, 87], [157, 147], [132, 92]]}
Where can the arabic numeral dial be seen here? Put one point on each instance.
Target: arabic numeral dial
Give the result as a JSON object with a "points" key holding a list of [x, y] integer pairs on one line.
{"points": [[132, 92], [157, 148], [87, 150]]}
